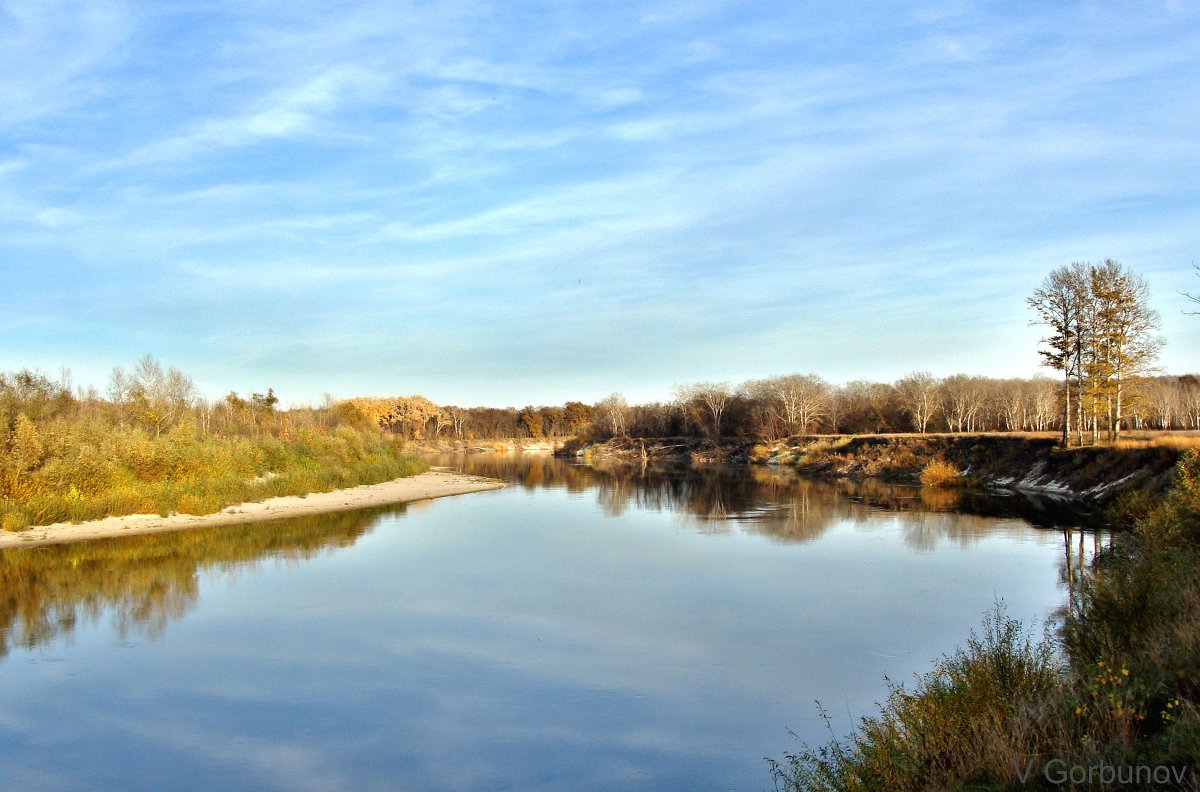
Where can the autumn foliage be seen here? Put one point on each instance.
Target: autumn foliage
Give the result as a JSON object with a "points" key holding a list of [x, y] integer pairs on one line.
{"points": [[70, 459]]}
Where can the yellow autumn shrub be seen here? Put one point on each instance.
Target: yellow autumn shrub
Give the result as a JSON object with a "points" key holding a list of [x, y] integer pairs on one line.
{"points": [[939, 473]]}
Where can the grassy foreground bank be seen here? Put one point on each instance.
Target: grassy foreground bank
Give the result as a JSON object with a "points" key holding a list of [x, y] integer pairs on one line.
{"points": [[69, 471], [1111, 701]]}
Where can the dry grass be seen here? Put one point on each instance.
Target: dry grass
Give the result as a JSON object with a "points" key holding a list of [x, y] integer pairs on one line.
{"points": [[1179, 441], [818, 450], [939, 473], [760, 453]]}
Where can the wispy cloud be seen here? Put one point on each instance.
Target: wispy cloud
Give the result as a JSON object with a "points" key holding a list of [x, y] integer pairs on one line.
{"points": [[491, 175], [55, 56], [304, 111]]}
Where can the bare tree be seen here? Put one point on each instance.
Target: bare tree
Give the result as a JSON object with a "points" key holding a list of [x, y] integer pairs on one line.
{"points": [[918, 392], [1012, 401], [119, 386], [613, 411], [458, 419], [441, 420], [798, 400], [1194, 298], [1189, 403], [713, 397], [837, 408], [962, 399], [1165, 402], [160, 397], [1043, 403]]}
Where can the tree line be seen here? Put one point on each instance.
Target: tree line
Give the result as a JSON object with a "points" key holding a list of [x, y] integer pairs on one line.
{"points": [[778, 407], [418, 418], [151, 398]]}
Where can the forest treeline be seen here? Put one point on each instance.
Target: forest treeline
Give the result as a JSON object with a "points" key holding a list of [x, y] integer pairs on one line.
{"points": [[153, 446], [786, 406]]}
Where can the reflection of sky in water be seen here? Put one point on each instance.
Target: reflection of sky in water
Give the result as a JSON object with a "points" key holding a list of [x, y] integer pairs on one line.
{"points": [[522, 639]]}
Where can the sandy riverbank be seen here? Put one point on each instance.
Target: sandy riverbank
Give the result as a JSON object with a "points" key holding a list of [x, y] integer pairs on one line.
{"points": [[433, 484]]}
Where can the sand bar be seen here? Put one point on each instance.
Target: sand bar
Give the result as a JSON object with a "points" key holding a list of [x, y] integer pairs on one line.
{"points": [[433, 484]]}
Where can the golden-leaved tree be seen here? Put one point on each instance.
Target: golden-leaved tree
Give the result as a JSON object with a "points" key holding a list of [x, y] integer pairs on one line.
{"points": [[1102, 337]]}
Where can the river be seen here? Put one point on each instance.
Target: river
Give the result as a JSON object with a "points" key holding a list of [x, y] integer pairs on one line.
{"points": [[583, 629]]}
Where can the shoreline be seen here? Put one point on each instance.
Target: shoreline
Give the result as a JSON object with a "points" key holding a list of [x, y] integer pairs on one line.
{"points": [[423, 486], [1006, 461]]}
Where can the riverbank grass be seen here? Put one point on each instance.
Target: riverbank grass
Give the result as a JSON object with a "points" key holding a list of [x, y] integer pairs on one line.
{"points": [[84, 471], [1116, 688], [965, 719]]}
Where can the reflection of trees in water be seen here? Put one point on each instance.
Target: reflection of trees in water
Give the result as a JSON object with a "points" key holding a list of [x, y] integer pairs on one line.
{"points": [[926, 530], [775, 503], [1080, 549], [144, 582]]}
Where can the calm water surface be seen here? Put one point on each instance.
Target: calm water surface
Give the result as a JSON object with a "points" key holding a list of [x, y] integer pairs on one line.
{"points": [[581, 629]]}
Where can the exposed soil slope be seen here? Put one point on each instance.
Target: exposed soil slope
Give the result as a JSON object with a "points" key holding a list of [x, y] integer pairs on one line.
{"points": [[1031, 464]]}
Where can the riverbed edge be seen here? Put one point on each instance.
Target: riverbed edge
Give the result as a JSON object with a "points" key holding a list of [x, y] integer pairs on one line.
{"points": [[1034, 464], [423, 486]]}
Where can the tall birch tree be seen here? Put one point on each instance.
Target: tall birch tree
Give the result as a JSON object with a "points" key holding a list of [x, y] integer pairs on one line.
{"points": [[1060, 303], [1125, 337]]}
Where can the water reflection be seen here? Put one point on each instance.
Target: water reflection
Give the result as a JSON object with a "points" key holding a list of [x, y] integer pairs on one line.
{"points": [[141, 583], [1079, 551], [519, 639], [776, 503]]}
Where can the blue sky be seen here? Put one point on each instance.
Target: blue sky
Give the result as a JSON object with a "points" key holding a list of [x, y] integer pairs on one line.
{"points": [[514, 202]]}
